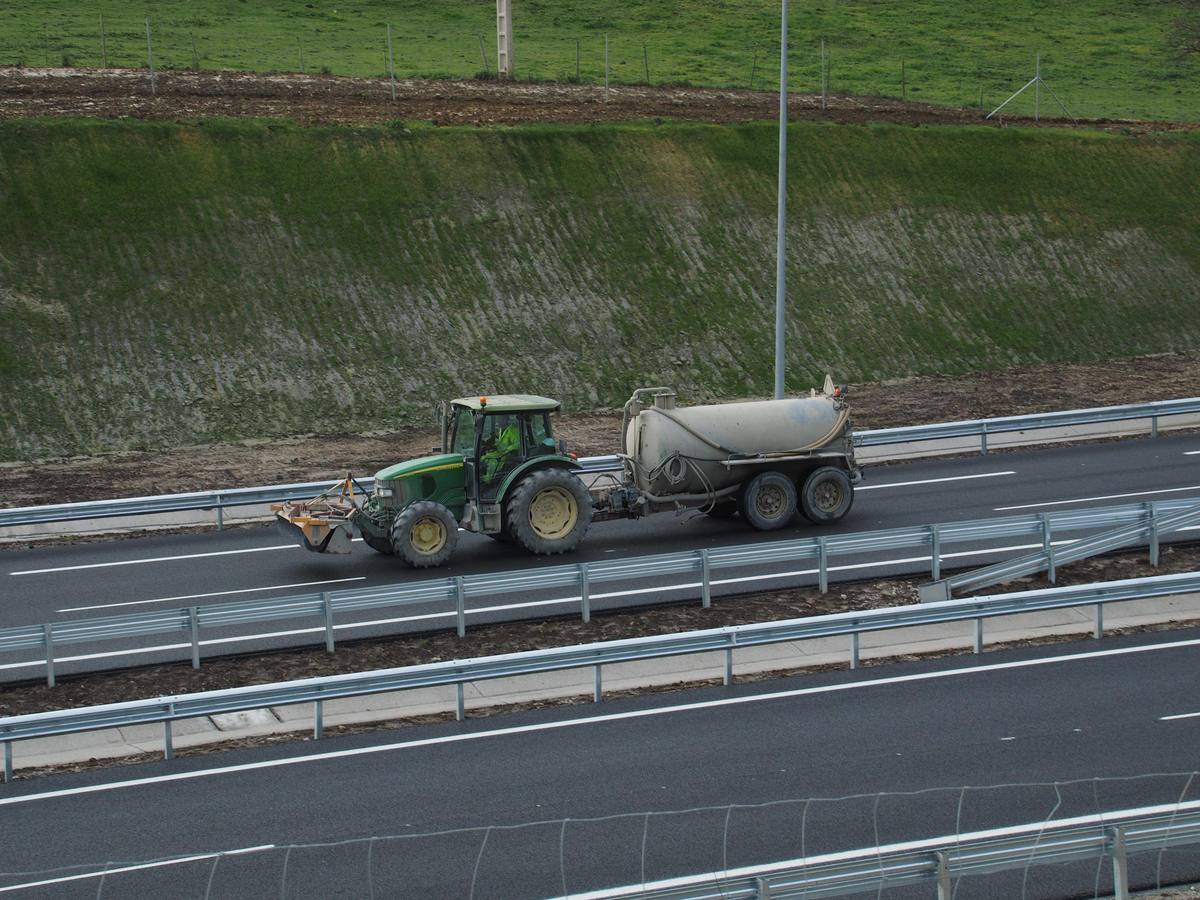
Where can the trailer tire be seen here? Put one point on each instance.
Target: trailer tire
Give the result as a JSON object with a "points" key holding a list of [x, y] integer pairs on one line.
{"points": [[826, 496], [424, 534], [769, 501], [548, 512]]}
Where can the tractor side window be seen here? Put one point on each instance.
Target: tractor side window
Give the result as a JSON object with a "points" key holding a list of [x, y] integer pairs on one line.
{"points": [[500, 448], [463, 441], [537, 434]]}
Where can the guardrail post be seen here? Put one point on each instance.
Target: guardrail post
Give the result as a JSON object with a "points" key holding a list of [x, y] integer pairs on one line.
{"points": [[854, 650], [220, 515], [168, 741], [585, 601], [935, 550], [194, 626], [762, 888], [1154, 426], [705, 581], [8, 776], [460, 591], [1151, 515], [983, 439], [1120, 865], [318, 719], [1048, 546], [596, 691], [728, 679], [822, 566], [979, 636], [1099, 633], [328, 607], [460, 703], [48, 639], [945, 890]]}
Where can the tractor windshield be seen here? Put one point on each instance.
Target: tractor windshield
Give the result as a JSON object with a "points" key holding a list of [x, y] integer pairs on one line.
{"points": [[463, 439]]}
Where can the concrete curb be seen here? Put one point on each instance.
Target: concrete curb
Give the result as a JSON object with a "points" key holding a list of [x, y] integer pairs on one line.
{"points": [[874, 646]]}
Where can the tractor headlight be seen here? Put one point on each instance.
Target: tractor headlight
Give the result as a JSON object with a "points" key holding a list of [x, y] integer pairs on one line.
{"points": [[384, 492]]}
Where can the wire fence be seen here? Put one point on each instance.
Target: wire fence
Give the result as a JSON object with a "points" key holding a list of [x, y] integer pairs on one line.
{"points": [[566, 856], [355, 44]]}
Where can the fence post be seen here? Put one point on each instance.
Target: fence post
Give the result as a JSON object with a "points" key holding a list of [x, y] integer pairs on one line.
{"points": [[391, 62], [585, 600], [8, 775], [103, 44], [705, 581], [150, 57], [854, 650], [487, 68], [606, 67], [903, 84], [646, 62], [1048, 547], [935, 548], [753, 68], [194, 625], [328, 607], [598, 688], [460, 704], [983, 440], [578, 75], [978, 636], [195, 56], [822, 566], [1120, 865], [302, 72], [461, 591], [48, 639], [318, 719], [1151, 514]]}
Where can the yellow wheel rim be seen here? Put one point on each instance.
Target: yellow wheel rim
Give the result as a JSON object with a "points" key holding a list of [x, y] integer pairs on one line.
{"points": [[427, 535], [553, 513]]}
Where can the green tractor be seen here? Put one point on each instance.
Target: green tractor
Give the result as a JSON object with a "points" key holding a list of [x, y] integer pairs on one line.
{"points": [[499, 471]]}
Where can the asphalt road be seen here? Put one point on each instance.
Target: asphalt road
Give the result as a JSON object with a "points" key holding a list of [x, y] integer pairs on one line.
{"points": [[1046, 732], [166, 572]]}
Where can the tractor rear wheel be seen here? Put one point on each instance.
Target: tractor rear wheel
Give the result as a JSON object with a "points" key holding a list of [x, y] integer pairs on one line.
{"points": [[548, 512], [424, 534], [769, 501]]}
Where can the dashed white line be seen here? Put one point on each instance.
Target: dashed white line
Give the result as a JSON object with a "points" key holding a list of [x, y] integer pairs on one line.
{"points": [[538, 727], [876, 487], [154, 559], [254, 590], [139, 867], [1194, 487], [1179, 716], [1192, 453]]}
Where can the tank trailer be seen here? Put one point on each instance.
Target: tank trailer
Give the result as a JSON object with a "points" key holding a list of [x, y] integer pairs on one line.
{"points": [[500, 471]]}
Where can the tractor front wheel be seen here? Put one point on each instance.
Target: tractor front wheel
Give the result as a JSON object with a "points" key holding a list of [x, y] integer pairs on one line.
{"points": [[424, 534], [548, 512]]}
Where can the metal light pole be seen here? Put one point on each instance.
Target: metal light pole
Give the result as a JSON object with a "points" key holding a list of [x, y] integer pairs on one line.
{"points": [[780, 278]]}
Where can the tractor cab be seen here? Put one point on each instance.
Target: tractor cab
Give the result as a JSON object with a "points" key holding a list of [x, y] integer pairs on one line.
{"points": [[496, 437]]}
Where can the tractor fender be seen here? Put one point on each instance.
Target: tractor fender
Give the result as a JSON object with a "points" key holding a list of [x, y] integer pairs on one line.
{"points": [[538, 462]]}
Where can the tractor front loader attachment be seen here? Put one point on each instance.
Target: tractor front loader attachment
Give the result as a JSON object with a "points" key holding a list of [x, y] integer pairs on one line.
{"points": [[324, 524]]}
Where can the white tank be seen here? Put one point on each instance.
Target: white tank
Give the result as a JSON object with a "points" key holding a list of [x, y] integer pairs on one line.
{"points": [[683, 450]]}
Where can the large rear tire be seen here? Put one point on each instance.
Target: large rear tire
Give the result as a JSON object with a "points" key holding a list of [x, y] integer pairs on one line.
{"points": [[548, 512], [827, 495], [769, 501], [424, 534]]}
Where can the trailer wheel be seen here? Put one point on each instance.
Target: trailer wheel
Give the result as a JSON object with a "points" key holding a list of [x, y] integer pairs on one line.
{"points": [[826, 496], [548, 512], [769, 501], [424, 534]]}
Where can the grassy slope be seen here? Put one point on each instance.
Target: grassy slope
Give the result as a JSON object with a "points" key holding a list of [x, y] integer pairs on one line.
{"points": [[1115, 58], [164, 284]]}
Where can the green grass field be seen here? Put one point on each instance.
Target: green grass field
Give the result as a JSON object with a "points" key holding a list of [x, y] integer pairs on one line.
{"points": [[166, 284], [1105, 58]]}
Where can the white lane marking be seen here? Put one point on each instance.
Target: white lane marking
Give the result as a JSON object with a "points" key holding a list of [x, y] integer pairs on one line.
{"points": [[539, 727], [505, 607], [277, 587], [1179, 716], [1191, 453], [104, 873], [1194, 487], [876, 487], [154, 559]]}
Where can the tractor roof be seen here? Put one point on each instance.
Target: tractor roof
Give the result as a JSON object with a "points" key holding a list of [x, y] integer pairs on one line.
{"points": [[509, 403]]}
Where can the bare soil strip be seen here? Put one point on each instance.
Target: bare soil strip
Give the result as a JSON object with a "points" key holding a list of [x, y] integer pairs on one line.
{"points": [[323, 99]]}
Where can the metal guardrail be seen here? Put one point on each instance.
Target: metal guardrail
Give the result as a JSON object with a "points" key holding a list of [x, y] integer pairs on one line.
{"points": [[460, 672], [938, 861], [454, 592], [981, 428], [1048, 559], [233, 497]]}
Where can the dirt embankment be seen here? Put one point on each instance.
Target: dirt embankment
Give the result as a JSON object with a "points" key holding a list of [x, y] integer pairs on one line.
{"points": [[910, 401], [314, 99]]}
